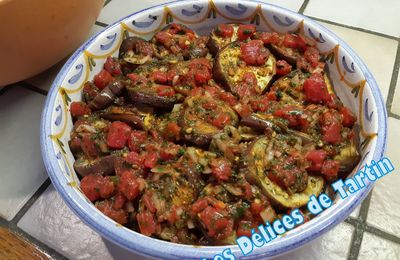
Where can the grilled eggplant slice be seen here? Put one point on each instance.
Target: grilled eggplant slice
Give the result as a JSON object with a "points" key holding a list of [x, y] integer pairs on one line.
{"points": [[217, 41], [176, 42], [258, 161], [107, 95], [131, 115], [149, 96], [290, 87], [102, 165], [229, 69], [196, 121], [350, 155], [135, 50]]}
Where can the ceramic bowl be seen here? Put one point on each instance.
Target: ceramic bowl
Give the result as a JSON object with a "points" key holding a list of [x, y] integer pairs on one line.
{"points": [[352, 80]]}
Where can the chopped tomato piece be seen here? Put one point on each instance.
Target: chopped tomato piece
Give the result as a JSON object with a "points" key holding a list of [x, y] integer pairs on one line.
{"points": [[137, 79], [330, 169], [245, 31], [119, 216], [244, 228], [79, 109], [294, 41], [112, 66], [216, 224], [224, 30], [282, 67], [118, 135], [270, 38], [228, 98], [312, 56], [210, 105], [331, 128], [150, 160], [316, 157], [95, 186], [136, 139], [147, 224], [348, 118], [130, 185], [134, 158], [172, 131], [221, 168], [88, 146], [246, 87], [315, 89], [102, 79], [165, 91], [119, 201], [159, 77], [254, 53], [221, 120]]}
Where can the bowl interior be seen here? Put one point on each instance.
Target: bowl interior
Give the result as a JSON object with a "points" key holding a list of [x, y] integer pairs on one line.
{"points": [[352, 81]]}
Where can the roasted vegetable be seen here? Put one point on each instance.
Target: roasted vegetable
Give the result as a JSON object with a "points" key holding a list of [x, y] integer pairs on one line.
{"points": [[258, 162], [141, 119], [107, 95], [350, 155], [221, 36], [135, 50], [241, 79], [102, 165]]}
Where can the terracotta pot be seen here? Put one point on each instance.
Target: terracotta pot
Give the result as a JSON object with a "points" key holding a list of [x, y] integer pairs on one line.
{"points": [[34, 35]]}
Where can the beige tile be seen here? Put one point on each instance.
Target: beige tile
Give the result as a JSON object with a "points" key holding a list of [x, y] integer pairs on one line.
{"points": [[377, 52], [22, 170], [379, 16], [374, 247], [333, 245], [396, 98], [385, 202]]}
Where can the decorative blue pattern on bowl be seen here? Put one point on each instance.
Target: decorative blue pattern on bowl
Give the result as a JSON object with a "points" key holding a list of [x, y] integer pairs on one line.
{"points": [[352, 80]]}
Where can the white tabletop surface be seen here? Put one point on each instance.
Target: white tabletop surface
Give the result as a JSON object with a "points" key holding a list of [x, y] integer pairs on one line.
{"points": [[30, 205]]}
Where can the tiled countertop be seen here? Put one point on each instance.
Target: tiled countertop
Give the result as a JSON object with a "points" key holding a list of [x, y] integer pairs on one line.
{"points": [[30, 206]]}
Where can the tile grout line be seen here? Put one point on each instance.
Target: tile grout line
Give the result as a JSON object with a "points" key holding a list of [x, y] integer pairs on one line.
{"points": [[353, 28], [303, 6], [393, 82], [358, 234], [31, 201]]}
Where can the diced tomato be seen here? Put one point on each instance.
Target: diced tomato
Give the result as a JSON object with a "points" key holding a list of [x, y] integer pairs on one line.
{"points": [[173, 216], [294, 41], [134, 158], [165, 91], [164, 38], [79, 108], [246, 87], [216, 224], [256, 208], [283, 68], [315, 89], [210, 105], [169, 152], [200, 63], [316, 157], [331, 128], [287, 113], [147, 224], [118, 135], [244, 228], [272, 95], [330, 169], [102, 79], [159, 77], [221, 168], [172, 131], [106, 207], [224, 30], [243, 109], [228, 98], [270, 38], [119, 201], [89, 91], [245, 31], [202, 77], [312, 56], [136, 139], [221, 120], [137, 79], [348, 117], [261, 105], [88, 146], [95, 186], [90, 186], [254, 53], [150, 160], [112, 66], [147, 199], [75, 144], [129, 185]]}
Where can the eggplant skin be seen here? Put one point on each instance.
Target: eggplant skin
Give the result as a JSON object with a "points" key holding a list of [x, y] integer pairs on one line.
{"points": [[152, 99], [102, 165], [350, 155], [130, 115], [255, 164], [288, 54], [107, 95], [134, 44], [228, 73], [216, 43]]}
